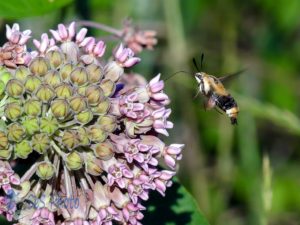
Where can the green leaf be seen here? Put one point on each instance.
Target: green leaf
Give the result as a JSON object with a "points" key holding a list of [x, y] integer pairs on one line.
{"points": [[177, 207], [14, 9]]}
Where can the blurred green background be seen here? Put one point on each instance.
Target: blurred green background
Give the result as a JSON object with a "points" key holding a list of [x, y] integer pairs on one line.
{"points": [[245, 174]]}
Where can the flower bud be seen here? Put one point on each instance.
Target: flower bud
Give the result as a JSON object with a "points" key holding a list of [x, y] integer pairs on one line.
{"points": [[32, 83], [53, 78], [39, 66], [2, 87], [70, 139], [108, 87], [31, 125], [95, 73], [60, 108], [5, 153], [45, 170], [64, 90], [84, 117], [81, 90], [45, 93], [21, 73], [22, 149], [14, 88], [13, 111], [74, 161], [32, 107], [79, 76], [96, 134], [113, 71], [104, 150], [66, 70], [102, 107], [56, 58], [107, 123], [48, 125], [3, 140], [83, 136], [78, 103], [40, 143], [92, 164], [94, 95], [5, 76], [15, 132]]}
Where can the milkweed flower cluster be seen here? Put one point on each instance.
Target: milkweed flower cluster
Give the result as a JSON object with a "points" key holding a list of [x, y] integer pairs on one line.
{"points": [[88, 130]]}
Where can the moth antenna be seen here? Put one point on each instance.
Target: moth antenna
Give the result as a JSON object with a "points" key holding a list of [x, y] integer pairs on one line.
{"points": [[202, 58], [172, 75], [195, 64]]}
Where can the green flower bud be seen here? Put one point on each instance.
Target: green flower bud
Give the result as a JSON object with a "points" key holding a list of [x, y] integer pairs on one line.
{"points": [[31, 125], [84, 117], [83, 136], [79, 76], [107, 123], [39, 66], [108, 87], [5, 153], [32, 107], [5, 76], [48, 125], [40, 142], [21, 73], [3, 140], [102, 107], [15, 132], [66, 70], [104, 151], [32, 83], [55, 57], [94, 95], [70, 139], [23, 149], [78, 103], [60, 108], [92, 164], [95, 73], [13, 111], [53, 78], [2, 88], [74, 161], [45, 170], [45, 93], [81, 90], [96, 134], [14, 88], [64, 90]]}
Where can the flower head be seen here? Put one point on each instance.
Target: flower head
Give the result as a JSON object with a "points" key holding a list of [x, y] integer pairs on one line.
{"points": [[89, 128]]}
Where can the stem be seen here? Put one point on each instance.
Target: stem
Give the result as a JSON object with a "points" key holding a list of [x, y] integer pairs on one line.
{"points": [[29, 173], [57, 149], [68, 184], [100, 26]]}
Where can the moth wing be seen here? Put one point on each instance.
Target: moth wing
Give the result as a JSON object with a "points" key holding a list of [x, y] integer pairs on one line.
{"points": [[229, 77]]}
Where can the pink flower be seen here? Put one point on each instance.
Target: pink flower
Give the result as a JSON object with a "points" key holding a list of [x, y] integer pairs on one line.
{"points": [[45, 44], [125, 56], [160, 123], [171, 154], [7, 207], [43, 216], [118, 174], [15, 36], [63, 33], [7, 177]]}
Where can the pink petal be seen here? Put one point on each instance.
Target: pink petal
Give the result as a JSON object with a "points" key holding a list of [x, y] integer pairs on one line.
{"points": [[119, 51], [81, 35], [56, 35], [62, 30], [131, 62], [71, 30], [160, 96], [14, 179], [154, 80], [170, 161], [162, 131]]}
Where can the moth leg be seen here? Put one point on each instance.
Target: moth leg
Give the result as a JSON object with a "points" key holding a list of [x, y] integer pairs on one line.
{"points": [[209, 103]]}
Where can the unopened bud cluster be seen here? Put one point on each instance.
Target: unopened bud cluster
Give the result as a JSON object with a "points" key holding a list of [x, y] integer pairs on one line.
{"points": [[86, 125]]}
